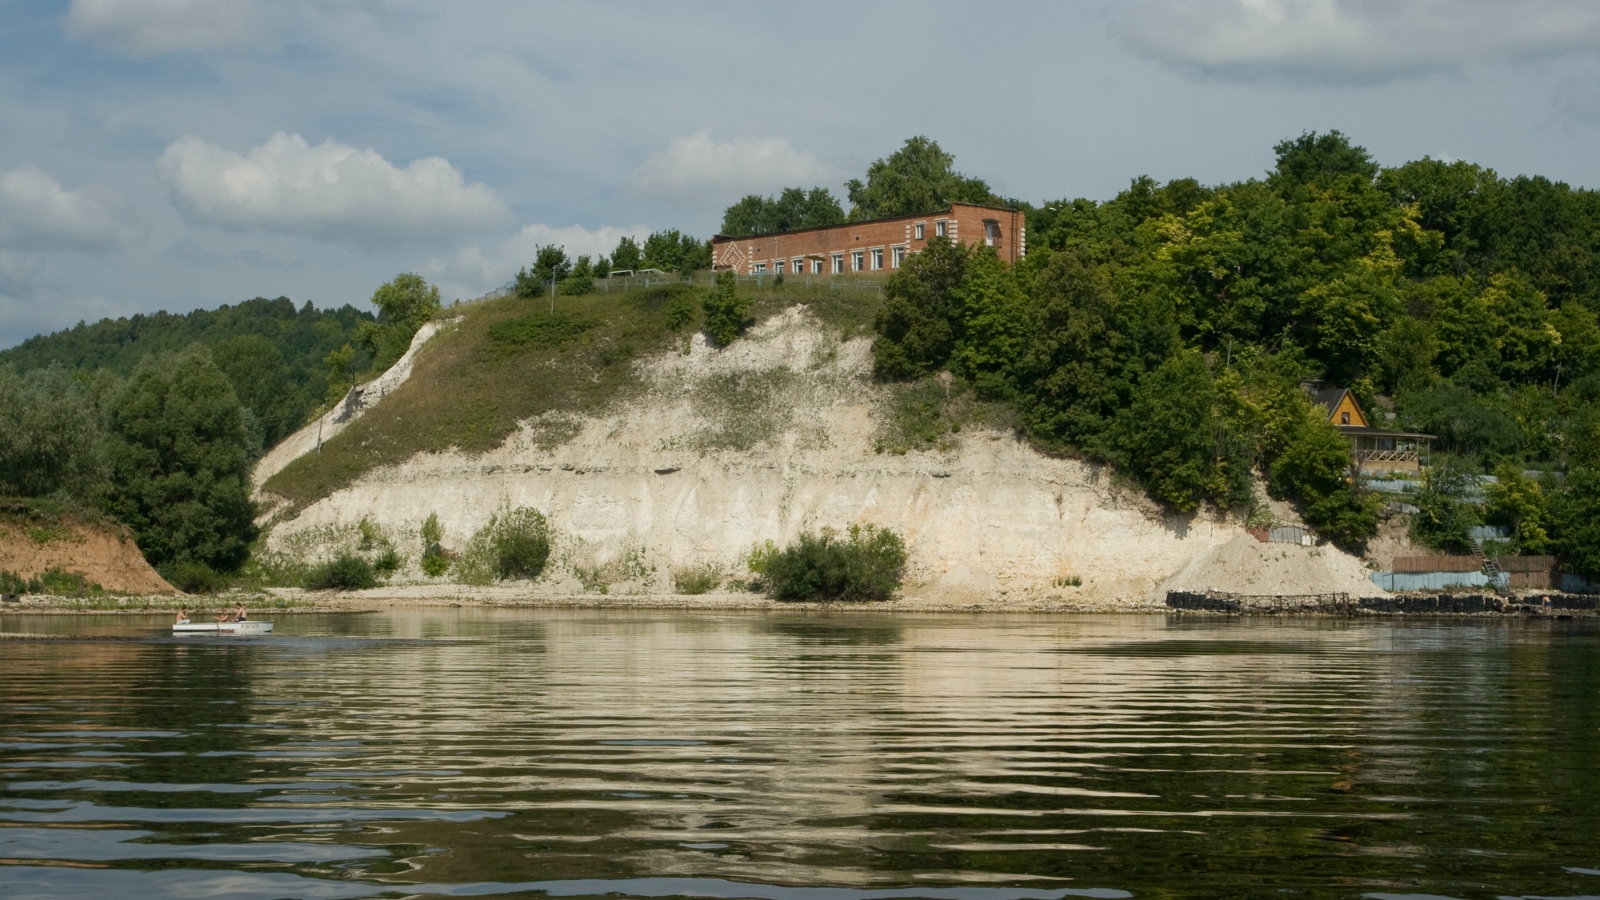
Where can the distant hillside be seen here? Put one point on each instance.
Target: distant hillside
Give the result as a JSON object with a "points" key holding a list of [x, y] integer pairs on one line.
{"points": [[272, 352]]}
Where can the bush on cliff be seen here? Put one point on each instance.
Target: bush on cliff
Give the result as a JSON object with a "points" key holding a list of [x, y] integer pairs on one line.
{"points": [[515, 544], [726, 310], [868, 564], [345, 572]]}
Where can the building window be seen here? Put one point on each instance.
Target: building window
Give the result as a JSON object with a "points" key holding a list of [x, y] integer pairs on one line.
{"points": [[918, 231], [778, 267], [877, 258], [816, 266], [938, 228], [799, 266], [857, 260], [1344, 418], [761, 267], [838, 263], [991, 233], [897, 256]]}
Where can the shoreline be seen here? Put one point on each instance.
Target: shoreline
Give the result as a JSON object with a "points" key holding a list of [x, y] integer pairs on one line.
{"points": [[296, 601]]}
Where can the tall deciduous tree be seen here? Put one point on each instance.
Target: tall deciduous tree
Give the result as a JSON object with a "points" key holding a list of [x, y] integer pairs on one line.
{"points": [[627, 255], [673, 251], [404, 304], [180, 463], [922, 316], [49, 435], [791, 210], [917, 178]]}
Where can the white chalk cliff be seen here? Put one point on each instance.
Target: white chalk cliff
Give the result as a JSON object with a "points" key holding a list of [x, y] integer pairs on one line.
{"points": [[660, 483]]}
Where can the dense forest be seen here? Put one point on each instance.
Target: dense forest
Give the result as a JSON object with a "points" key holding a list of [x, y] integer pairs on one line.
{"points": [[156, 420], [1172, 329], [273, 354]]}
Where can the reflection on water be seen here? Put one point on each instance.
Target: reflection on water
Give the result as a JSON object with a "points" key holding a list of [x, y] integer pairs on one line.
{"points": [[800, 757]]}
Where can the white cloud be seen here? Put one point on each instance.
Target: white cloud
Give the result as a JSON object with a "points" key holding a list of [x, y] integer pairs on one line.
{"points": [[1356, 40], [330, 191], [473, 272], [156, 27], [698, 169], [37, 213]]}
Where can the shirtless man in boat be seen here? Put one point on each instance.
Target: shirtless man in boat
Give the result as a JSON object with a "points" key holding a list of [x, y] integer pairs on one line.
{"points": [[238, 615], [183, 616]]}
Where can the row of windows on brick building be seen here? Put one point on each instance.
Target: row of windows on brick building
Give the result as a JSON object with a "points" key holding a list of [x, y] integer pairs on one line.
{"points": [[867, 260]]}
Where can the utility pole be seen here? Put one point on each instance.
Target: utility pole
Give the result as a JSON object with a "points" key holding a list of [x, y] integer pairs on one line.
{"points": [[552, 294]]}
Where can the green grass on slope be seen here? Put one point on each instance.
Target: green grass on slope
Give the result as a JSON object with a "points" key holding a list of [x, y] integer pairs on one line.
{"points": [[512, 360]]}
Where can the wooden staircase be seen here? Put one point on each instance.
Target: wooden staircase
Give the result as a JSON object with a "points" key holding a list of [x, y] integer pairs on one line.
{"points": [[1489, 567]]}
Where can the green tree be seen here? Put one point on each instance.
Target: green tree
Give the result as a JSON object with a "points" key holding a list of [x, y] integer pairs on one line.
{"points": [[1166, 437], [997, 326], [581, 279], [1445, 513], [627, 255], [1079, 366], [255, 367], [1315, 158], [404, 305], [550, 266], [49, 435], [922, 316], [726, 310], [1575, 522], [1315, 469], [341, 375], [791, 210], [180, 463], [917, 178], [674, 251], [1519, 503]]}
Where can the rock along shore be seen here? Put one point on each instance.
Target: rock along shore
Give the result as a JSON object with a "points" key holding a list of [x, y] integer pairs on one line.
{"points": [[1428, 604]]}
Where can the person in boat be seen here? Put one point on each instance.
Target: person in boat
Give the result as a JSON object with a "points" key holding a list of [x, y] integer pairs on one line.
{"points": [[238, 615], [183, 616]]}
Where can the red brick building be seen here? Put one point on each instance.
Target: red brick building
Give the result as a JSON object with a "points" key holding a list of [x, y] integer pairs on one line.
{"points": [[878, 245]]}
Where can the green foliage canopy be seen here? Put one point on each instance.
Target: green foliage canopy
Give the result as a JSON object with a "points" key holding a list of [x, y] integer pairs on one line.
{"points": [[725, 309], [404, 305], [180, 463], [791, 210], [866, 564], [918, 178], [281, 389]]}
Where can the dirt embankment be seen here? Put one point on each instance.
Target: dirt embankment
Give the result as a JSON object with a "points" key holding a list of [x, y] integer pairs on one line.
{"points": [[103, 556]]}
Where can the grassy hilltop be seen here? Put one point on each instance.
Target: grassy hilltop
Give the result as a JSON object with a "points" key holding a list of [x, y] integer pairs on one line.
{"points": [[511, 360]]}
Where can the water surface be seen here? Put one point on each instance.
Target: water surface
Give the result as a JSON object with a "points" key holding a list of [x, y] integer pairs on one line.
{"points": [[801, 757]]}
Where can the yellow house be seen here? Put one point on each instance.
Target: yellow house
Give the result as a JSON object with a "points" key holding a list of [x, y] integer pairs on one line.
{"points": [[1375, 449]]}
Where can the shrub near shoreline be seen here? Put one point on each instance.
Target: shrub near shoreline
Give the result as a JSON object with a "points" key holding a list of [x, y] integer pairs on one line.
{"points": [[868, 564]]}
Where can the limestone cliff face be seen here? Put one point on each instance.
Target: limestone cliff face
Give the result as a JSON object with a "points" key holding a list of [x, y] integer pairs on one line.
{"points": [[771, 436]]}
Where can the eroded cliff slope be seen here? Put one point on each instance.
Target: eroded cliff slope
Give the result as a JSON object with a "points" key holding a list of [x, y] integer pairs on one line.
{"points": [[779, 433]]}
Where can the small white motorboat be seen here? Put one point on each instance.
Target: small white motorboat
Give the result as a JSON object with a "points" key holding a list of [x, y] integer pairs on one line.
{"points": [[246, 627]]}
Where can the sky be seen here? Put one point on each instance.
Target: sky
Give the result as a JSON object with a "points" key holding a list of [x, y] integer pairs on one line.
{"points": [[178, 154]]}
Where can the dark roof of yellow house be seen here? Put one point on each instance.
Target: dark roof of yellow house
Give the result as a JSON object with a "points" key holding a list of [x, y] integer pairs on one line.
{"points": [[1335, 398]]}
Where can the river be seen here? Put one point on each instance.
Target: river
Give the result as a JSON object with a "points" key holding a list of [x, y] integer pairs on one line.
{"points": [[807, 756]]}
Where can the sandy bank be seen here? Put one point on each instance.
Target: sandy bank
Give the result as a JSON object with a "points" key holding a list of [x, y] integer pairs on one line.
{"points": [[103, 556]]}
